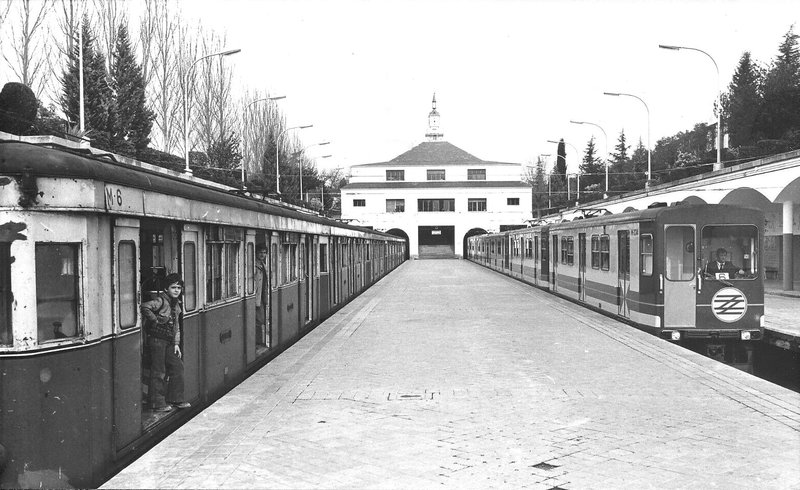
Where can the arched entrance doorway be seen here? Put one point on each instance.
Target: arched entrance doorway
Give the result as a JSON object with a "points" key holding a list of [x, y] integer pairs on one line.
{"points": [[472, 232], [400, 233]]}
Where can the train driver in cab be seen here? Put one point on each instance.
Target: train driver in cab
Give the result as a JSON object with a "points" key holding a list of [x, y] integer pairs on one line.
{"points": [[722, 267]]}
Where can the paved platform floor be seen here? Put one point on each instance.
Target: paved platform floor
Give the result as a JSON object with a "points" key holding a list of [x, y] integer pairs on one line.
{"points": [[447, 374]]}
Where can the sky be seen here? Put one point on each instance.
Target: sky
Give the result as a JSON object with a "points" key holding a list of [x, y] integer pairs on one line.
{"points": [[508, 74]]}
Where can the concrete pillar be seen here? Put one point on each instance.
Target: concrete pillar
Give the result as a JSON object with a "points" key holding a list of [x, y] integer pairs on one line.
{"points": [[788, 249]]}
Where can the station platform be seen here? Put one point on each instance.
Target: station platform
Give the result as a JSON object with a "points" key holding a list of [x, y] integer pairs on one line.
{"points": [[782, 328], [447, 374]]}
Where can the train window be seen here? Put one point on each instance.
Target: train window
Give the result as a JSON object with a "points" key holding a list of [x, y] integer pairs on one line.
{"points": [[57, 266], [222, 263], [564, 250], [570, 251], [323, 257], [301, 264], [289, 263], [738, 242], [368, 252], [605, 252], [679, 253], [189, 276], [273, 270], [646, 252], [595, 251], [536, 248], [250, 268], [126, 284], [5, 294]]}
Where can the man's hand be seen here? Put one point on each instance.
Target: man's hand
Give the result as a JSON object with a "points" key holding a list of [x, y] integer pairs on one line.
{"points": [[177, 351], [162, 319]]}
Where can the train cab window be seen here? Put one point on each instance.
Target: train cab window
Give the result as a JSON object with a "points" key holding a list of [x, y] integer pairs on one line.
{"points": [[605, 253], [595, 251], [323, 257], [126, 284], [738, 247], [679, 253], [646, 252], [250, 268], [189, 276], [57, 266], [5, 294]]}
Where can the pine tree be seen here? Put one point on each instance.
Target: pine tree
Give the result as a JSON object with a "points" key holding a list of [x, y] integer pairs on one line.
{"points": [[98, 97], [638, 167], [134, 118], [742, 103], [592, 172], [619, 164], [781, 109]]}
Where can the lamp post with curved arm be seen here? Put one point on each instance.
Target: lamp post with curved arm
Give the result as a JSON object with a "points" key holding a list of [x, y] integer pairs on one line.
{"points": [[606, 154], [718, 165], [617, 94], [278, 154], [228, 52], [300, 163], [270, 99], [566, 175]]}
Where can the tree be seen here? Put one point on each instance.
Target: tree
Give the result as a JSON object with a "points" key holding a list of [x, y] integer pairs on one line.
{"points": [[134, 118], [536, 177], [742, 104], [592, 172], [18, 107], [30, 51], [781, 108], [98, 98], [619, 164], [638, 167]]}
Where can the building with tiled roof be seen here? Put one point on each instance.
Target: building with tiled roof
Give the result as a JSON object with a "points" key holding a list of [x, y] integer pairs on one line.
{"points": [[437, 195]]}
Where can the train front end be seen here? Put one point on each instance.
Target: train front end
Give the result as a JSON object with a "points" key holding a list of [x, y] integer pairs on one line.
{"points": [[712, 280]]}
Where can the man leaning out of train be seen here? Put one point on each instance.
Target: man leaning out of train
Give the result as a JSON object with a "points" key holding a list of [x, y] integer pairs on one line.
{"points": [[162, 316]]}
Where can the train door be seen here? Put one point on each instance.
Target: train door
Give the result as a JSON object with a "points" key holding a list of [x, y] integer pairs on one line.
{"points": [[310, 273], [679, 285], [127, 347], [536, 259], [582, 266], [191, 251], [545, 259], [554, 261], [623, 272]]}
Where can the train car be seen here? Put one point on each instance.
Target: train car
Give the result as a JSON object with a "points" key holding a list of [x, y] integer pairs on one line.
{"points": [[652, 268], [84, 239]]}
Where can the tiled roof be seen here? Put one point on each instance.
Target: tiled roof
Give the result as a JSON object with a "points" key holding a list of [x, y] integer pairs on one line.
{"points": [[438, 184], [434, 153]]}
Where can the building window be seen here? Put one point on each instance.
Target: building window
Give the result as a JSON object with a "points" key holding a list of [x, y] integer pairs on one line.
{"points": [[512, 201], [5, 294], [476, 204], [359, 203], [646, 247], [436, 174], [436, 205], [476, 174], [395, 175], [605, 253], [595, 251], [57, 266], [222, 262], [395, 205]]}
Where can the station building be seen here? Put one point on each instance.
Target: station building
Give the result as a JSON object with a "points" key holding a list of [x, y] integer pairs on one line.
{"points": [[437, 195]]}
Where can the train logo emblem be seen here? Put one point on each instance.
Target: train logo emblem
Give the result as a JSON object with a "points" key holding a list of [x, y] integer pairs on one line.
{"points": [[729, 305]]}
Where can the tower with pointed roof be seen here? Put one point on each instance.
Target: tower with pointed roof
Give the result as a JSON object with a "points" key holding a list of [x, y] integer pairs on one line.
{"points": [[433, 133]]}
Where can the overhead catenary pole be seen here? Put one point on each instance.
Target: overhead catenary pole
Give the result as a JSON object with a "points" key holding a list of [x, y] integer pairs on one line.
{"points": [[718, 165]]}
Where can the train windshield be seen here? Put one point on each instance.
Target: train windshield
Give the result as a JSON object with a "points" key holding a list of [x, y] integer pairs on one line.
{"points": [[730, 251]]}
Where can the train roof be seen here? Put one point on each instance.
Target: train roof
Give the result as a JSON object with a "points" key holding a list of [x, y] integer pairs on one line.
{"points": [[18, 158]]}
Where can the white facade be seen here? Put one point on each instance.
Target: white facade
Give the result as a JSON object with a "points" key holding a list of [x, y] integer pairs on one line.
{"points": [[474, 195]]}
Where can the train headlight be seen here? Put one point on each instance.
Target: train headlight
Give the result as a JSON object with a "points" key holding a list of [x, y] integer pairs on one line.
{"points": [[745, 335], [675, 336], [762, 321]]}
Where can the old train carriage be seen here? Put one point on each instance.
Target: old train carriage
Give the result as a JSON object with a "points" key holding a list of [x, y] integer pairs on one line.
{"points": [[83, 240], [650, 268]]}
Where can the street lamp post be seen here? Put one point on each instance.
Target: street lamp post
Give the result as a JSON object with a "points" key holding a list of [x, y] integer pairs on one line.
{"points": [[271, 99], [229, 52], [718, 165], [278, 155], [617, 94], [606, 154], [300, 164]]}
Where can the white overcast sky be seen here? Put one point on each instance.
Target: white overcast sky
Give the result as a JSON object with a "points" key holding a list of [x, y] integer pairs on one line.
{"points": [[508, 75]]}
